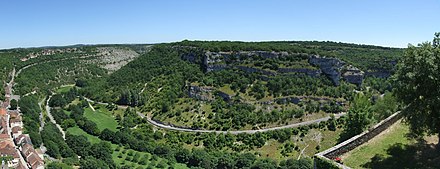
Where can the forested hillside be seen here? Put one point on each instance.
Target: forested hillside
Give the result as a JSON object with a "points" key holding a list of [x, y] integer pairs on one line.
{"points": [[237, 85], [221, 88]]}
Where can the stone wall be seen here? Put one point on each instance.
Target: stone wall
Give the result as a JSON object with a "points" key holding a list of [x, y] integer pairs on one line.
{"points": [[358, 140]]}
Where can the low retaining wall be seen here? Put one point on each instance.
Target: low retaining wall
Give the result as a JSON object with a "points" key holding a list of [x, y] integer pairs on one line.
{"points": [[348, 145]]}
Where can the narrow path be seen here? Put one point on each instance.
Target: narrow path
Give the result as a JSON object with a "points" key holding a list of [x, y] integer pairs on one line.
{"points": [[302, 152], [52, 119], [40, 104]]}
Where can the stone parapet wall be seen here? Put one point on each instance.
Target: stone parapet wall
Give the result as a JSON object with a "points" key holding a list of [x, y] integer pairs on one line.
{"points": [[348, 145]]}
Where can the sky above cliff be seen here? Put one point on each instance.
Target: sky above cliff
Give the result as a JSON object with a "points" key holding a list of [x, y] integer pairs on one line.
{"points": [[395, 23]]}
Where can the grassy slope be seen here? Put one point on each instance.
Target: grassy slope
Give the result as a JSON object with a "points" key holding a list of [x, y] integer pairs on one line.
{"points": [[102, 117], [378, 145], [77, 131], [325, 139], [64, 88]]}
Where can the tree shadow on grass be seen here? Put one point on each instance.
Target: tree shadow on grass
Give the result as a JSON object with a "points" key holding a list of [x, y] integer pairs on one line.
{"points": [[417, 156]]}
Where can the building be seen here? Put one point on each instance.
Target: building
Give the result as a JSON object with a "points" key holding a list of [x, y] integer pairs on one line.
{"points": [[31, 156], [15, 119], [23, 139], [7, 148], [16, 131]]}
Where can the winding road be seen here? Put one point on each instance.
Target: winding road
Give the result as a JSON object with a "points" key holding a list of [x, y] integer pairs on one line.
{"points": [[160, 125], [169, 127]]}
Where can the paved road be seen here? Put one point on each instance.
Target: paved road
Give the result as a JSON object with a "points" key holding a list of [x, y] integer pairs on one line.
{"points": [[169, 127], [165, 126]]}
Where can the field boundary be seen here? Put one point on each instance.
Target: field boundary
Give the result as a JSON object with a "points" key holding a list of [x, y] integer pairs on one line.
{"points": [[332, 153]]}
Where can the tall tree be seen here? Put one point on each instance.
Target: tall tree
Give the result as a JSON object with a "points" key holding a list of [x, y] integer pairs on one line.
{"points": [[359, 117], [14, 104], [417, 84]]}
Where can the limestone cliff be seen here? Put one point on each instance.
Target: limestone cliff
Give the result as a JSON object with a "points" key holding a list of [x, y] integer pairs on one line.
{"points": [[333, 68]]}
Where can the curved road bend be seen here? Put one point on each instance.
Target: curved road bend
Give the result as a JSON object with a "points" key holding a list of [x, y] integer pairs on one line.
{"points": [[169, 127], [237, 131]]}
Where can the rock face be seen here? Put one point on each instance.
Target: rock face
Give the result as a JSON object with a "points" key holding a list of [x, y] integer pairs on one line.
{"points": [[190, 57], [225, 96], [214, 61], [200, 93], [206, 93], [256, 70], [285, 100], [353, 75], [214, 68], [331, 67], [263, 54], [310, 72]]}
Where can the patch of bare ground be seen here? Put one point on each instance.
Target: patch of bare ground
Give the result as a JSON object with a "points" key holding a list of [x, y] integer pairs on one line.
{"points": [[113, 58]]}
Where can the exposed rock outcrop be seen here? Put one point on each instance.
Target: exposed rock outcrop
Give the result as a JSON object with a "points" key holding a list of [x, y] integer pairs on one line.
{"points": [[264, 54], [285, 100], [204, 93], [310, 72], [256, 70], [200, 93], [331, 67], [353, 75], [224, 96]]}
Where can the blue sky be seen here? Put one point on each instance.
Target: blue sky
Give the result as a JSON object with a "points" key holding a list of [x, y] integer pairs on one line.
{"points": [[26, 23]]}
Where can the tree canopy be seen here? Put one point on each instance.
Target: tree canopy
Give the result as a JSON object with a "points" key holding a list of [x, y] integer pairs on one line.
{"points": [[417, 86]]}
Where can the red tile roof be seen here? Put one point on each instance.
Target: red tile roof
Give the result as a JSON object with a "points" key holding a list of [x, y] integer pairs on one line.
{"points": [[16, 129], [3, 111], [4, 136], [34, 160], [13, 114], [7, 147]]}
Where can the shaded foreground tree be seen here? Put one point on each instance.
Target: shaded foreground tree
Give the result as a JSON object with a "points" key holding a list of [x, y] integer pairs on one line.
{"points": [[417, 84], [406, 156]]}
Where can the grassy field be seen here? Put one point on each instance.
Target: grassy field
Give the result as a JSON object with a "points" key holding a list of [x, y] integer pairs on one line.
{"points": [[379, 145], [102, 117], [77, 131], [64, 88]]}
